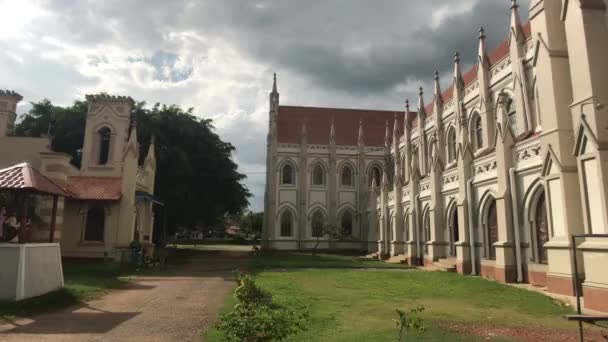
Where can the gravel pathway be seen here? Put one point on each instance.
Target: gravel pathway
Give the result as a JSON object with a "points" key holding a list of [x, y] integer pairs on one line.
{"points": [[176, 306]]}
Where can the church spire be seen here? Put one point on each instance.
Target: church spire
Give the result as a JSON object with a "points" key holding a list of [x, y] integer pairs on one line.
{"points": [[437, 90], [387, 135], [332, 133], [274, 83], [395, 130], [361, 140], [458, 82], [482, 55]]}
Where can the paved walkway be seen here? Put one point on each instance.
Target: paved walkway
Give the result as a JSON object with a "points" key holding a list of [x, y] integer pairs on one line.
{"points": [[175, 306]]}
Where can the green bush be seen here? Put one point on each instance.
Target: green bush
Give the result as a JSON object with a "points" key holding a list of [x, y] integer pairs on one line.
{"points": [[248, 292], [256, 318], [259, 323]]}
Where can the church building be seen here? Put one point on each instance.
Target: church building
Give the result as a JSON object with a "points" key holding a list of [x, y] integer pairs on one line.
{"points": [[110, 196], [490, 177]]}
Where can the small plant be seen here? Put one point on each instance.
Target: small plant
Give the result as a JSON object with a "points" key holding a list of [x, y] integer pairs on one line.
{"points": [[256, 318], [256, 251], [248, 292], [409, 321]]}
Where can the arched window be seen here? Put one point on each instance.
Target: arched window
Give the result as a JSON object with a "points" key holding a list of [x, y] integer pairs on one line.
{"points": [[375, 176], [95, 223], [451, 145], [511, 111], [346, 223], [318, 175], [477, 133], [286, 224], [104, 145], [541, 230], [288, 175], [347, 176], [492, 228], [317, 223]]}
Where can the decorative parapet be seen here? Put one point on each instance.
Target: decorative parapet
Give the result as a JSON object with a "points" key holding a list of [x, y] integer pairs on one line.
{"points": [[425, 185], [500, 66], [527, 153], [109, 98], [11, 93]]}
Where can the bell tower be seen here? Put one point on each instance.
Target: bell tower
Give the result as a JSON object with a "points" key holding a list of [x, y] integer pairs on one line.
{"points": [[106, 134], [8, 108]]}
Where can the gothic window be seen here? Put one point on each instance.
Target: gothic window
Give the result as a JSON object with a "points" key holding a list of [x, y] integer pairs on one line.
{"points": [[318, 175], [288, 175], [95, 223], [286, 224], [492, 227], [317, 223], [375, 176], [347, 176], [346, 223], [511, 111], [451, 145], [477, 133], [541, 230], [104, 145]]}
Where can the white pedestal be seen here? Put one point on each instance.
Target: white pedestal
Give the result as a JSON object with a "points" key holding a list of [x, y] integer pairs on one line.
{"points": [[29, 270]]}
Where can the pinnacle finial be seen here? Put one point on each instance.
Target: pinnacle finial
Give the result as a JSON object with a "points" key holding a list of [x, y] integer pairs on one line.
{"points": [[436, 75], [514, 4], [482, 33], [407, 106], [420, 91], [456, 57], [274, 83]]}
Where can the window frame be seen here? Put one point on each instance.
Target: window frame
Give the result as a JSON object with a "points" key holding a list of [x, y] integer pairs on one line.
{"points": [[293, 174]]}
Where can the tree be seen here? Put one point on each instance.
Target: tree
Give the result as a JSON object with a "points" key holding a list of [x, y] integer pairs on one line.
{"points": [[251, 223], [332, 231], [195, 176]]}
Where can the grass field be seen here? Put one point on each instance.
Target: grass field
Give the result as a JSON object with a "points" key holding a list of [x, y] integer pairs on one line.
{"points": [[83, 281], [358, 305]]}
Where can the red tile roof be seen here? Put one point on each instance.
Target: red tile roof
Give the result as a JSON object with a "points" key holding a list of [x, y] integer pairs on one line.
{"points": [[24, 177], [346, 123], [95, 188]]}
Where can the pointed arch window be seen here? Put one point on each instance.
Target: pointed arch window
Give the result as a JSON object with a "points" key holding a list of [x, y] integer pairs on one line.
{"points": [[105, 135], [541, 231], [426, 231], [318, 175], [317, 223], [288, 175], [346, 177], [477, 132], [492, 231], [511, 111], [375, 176], [346, 223], [95, 223], [287, 224], [451, 145]]}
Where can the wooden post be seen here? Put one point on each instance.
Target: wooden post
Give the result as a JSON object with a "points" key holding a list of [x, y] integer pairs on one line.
{"points": [[53, 219]]}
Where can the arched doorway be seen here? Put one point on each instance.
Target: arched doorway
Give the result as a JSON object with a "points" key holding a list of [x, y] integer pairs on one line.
{"points": [[492, 226], [453, 231], [541, 231], [426, 232]]}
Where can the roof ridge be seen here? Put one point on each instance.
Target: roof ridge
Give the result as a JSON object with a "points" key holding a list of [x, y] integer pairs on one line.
{"points": [[345, 109]]}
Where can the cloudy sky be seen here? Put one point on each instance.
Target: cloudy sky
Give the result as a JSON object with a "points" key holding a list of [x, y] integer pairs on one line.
{"points": [[218, 56]]}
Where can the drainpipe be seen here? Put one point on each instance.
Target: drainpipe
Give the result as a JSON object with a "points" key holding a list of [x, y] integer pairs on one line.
{"points": [[516, 224], [469, 192], [418, 251]]}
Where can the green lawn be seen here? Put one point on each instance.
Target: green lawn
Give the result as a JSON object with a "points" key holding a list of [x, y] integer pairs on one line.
{"points": [[358, 305], [83, 281]]}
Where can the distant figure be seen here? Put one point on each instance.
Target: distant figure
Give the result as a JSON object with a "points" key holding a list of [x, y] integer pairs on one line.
{"points": [[11, 228]]}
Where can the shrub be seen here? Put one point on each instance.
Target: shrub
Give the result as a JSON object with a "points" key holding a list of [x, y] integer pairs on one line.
{"points": [[409, 321], [259, 323], [257, 318], [248, 292]]}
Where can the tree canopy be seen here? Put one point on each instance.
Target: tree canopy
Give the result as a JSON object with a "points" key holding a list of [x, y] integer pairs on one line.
{"points": [[195, 175]]}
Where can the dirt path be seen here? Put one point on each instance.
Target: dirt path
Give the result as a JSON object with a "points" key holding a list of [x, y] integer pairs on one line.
{"points": [[175, 306]]}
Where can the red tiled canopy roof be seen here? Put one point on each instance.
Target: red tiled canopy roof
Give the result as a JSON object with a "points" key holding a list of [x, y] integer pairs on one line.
{"points": [[25, 178], [95, 188], [346, 123]]}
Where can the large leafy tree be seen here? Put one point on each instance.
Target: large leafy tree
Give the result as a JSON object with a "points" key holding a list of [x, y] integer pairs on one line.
{"points": [[196, 176]]}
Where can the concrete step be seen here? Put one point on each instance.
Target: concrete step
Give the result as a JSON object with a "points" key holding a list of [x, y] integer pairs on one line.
{"points": [[372, 256], [448, 262], [397, 259]]}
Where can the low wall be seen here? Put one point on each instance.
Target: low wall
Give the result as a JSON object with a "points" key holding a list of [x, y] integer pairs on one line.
{"points": [[29, 270]]}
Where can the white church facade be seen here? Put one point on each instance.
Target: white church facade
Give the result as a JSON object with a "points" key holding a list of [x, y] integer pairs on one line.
{"points": [[494, 174]]}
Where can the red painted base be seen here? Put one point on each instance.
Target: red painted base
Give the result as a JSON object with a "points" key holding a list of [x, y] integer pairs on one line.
{"points": [[503, 275], [537, 278], [463, 268], [560, 285], [596, 298]]}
